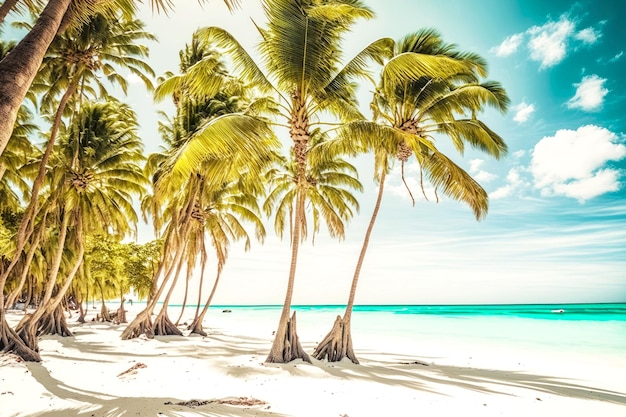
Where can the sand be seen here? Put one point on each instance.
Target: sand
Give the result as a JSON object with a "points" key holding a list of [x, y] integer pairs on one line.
{"points": [[95, 373]]}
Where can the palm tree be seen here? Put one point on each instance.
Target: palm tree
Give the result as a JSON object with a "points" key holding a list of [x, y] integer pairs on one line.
{"points": [[95, 174], [192, 206], [409, 115]]}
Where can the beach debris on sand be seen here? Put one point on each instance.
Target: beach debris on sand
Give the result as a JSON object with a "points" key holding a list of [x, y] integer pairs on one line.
{"points": [[414, 363], [133, 369], [240, 401]]}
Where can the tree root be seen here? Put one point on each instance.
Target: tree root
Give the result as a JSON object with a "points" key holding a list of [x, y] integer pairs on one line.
{"points": [[11, 342], [288, 348], [54, 323], [27, 332], [337, 344], [163, 326], [142, 324], [196, 327]]}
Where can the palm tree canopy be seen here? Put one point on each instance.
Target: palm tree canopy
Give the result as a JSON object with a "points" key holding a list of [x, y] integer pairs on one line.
{"points": [[411, 115]]}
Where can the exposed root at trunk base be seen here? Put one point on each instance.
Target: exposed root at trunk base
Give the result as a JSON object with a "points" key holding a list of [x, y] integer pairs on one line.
{"points": [[289, 348], [337, 344], [54, 323], [27, 332], [11, 342], [120, 316], [142, 324], [196, 327], [163, 326]]}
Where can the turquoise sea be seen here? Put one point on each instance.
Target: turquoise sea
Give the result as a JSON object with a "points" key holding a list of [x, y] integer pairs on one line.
{"points": [[595, 312], [576, 332]]}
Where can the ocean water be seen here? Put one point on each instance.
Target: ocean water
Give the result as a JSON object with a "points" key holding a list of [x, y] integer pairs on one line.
{"points": [[577, 335]]}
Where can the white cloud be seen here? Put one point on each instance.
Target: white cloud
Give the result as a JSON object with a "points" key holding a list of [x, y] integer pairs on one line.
{"points": [[523, 111], [478, 174], [588, 36], [572, 162], [548, 43], [519, 154], [601, 182], [475, 165], [617, 57], [509, 46], [514, 183], [589, 95]]}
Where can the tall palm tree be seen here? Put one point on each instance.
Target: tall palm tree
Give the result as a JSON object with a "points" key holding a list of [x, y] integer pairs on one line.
{"points": [[303, 70], [409, 117]]}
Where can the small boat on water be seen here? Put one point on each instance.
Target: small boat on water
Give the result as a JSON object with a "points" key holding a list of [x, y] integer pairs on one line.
{"points": [[560, 310]]}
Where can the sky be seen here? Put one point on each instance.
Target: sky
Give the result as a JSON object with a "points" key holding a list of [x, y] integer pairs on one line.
{"points": [[556, 228]]}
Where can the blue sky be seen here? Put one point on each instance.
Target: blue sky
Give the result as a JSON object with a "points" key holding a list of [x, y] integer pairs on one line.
{"points": [[556, 228]]}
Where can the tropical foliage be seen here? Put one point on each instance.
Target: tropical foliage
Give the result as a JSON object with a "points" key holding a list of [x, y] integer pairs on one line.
{"points": [[250, 143]]}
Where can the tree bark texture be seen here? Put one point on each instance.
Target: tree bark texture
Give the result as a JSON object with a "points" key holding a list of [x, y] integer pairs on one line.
{"points": [[19, 67], [286, 346], [338, 342]]}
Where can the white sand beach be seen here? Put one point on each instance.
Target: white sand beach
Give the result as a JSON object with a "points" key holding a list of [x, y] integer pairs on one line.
{"points": [[95, 373]]}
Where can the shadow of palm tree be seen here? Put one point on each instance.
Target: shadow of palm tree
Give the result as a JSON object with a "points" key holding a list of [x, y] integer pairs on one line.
{"points": [[99, 404]]}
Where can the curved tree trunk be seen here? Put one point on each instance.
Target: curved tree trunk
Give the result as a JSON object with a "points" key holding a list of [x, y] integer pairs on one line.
{"points": [[196, 326], [182, 309], [338, 342], [26, 269], [286, 346], [18, 68], [200, 285], [163, 326], [120, 315], [52, 320], [27, 328], [10, 341], [28, 220], [142, 323]]}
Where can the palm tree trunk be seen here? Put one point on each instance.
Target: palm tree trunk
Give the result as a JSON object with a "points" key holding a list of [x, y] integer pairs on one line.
{"points": [[18, 68], [6, 8], [27, 328], [202, 269], [27, 223], [29, 258], [196, 326], [142, 323], [51, 310], [286, 346], [187, 279], [163, 326], [338, 342]]}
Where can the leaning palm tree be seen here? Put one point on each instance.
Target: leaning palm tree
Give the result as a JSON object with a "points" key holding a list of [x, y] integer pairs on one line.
{"points": [[409, 117], [95, 174]]}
